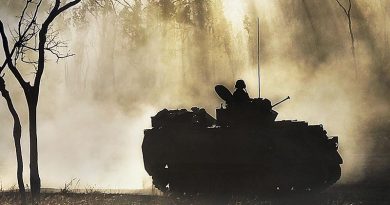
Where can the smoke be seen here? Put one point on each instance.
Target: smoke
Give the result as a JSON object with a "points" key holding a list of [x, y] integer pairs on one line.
{"points": [[310, 59], [128, 65]]}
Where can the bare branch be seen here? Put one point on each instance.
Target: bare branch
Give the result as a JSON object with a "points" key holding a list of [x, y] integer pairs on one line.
{"points": [[32, 21], [345, 10], [348, 14], [98, 3], [42, 36], [22, 47], [30, 48], [28, 61], [67, 6], [8, 55], [59, 55], [22, 16], [124, 3], [350, 6], [21, 35]]}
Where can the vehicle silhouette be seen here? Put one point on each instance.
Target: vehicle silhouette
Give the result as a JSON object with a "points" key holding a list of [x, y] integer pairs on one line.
{"points": [[243, 150]]}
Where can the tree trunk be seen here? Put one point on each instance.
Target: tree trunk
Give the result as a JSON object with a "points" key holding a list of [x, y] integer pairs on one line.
{"points": [[18, 147], [17, 134], [35, 181]]}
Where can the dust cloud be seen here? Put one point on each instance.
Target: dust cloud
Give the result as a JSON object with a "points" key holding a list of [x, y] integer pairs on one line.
{"points": [[130, 63]]}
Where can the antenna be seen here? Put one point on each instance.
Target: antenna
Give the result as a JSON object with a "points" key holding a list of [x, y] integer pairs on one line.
{"points": [[258, 52]]}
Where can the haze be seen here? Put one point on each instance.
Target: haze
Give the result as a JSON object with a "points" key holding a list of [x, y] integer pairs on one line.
{"points": [[95, 105]]}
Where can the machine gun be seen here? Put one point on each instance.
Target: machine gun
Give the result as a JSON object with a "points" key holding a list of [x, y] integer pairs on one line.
{"points": [[288, 97]]}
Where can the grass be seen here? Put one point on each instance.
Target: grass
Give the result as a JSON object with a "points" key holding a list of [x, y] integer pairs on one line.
{"points": [[8, 198], [339, 195]]}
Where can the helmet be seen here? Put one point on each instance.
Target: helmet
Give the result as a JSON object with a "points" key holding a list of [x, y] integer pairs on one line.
{"points": [[240, 84]]}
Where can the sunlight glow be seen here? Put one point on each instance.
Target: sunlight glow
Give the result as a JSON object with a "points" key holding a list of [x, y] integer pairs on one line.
{"points": [[234, 12]]}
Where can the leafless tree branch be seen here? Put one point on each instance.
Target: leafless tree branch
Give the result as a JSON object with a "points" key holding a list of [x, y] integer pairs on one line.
{"points": [[22, 36], [8, 59], [42, 36], [345, 10], [348, 14]]}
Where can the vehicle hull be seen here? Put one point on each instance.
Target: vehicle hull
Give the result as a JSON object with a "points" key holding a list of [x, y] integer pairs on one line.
{"points": [[285, 156]]}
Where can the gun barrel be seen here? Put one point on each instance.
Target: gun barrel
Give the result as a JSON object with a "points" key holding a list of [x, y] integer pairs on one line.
{"points": [[288, 97]]}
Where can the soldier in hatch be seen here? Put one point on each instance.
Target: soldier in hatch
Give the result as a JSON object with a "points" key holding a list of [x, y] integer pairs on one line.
{"points": [[240, 94]]}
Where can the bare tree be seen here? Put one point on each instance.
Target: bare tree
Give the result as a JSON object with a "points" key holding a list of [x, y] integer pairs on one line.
{"points": [[30, 36], [17, 134], [348, 14]]}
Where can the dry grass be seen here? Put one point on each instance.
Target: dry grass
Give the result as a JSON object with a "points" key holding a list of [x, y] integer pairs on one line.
{"points": [[84, 199], [342, 195]]}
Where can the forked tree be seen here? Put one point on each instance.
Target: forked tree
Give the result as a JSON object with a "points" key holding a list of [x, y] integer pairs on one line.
{"points": [[28, 37], [347, 13]]}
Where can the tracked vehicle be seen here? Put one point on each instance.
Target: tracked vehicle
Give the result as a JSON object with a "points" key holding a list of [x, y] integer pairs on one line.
{"points": [[243, 150]]}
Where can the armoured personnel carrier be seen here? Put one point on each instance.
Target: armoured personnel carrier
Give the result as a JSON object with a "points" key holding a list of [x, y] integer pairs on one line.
{"points": [[243, 150]]}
